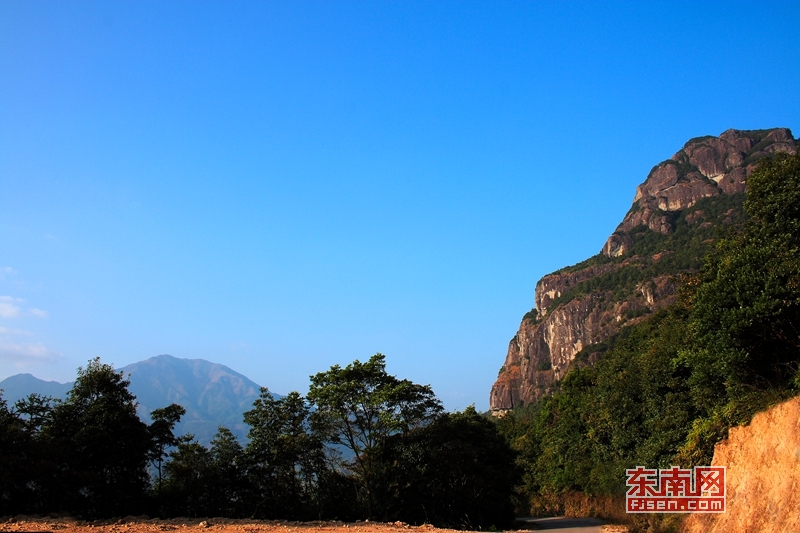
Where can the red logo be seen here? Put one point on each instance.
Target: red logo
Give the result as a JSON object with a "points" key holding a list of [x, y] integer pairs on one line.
{"points": [[676, 490]]}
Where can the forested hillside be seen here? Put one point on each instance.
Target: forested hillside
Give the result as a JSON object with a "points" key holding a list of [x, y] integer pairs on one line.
{"points": [[664, 391]]}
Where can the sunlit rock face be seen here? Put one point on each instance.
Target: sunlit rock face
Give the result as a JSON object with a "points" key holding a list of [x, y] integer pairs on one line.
{"points": [[542, 350], [568, 318], [706, 166]]}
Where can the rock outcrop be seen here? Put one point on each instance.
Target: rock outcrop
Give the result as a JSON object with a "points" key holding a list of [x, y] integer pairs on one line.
{"points": [[543, 349], [706, 166], [584, 305], [763, 475]]}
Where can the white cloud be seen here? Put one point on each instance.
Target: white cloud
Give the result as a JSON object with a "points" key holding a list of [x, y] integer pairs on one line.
{"points": [[9, 307], [10, 331], [5, 272], [38, 312], [22, 354]]}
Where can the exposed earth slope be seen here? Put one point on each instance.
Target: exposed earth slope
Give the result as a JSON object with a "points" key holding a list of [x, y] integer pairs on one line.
{"points": [[763, 475]]}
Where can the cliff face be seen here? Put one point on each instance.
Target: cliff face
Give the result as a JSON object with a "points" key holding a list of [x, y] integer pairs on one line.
{"points": [[542, 350], [763, 475], [665, 232]]}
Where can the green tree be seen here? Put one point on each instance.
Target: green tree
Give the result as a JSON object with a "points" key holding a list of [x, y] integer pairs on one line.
{"points": [[188, 479], [14, 442], [162, 437], [565, 459], [35, 411], [745, 318], [229, 482], [361, 406], [99, 446], [456, 472], [284, 457], [202, 481], [33, 461]]}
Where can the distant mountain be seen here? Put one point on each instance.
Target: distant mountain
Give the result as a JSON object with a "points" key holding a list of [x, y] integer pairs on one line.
{"points": [[212, 394], [20, 386]]}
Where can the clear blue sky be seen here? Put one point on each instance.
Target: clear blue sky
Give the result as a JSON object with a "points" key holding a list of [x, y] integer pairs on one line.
{"points": [[283, 186]]}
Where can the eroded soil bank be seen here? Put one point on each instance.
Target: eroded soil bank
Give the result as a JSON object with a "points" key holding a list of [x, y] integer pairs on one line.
{"points": [[763, 475]]}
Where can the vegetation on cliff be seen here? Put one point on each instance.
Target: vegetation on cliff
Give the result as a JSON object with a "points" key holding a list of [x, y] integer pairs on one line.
{"points": [[669, 388], [681, 251]]}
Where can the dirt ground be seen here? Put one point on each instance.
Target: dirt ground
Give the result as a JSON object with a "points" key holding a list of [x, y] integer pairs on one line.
{"points": [[22, 524], [197, 525]]}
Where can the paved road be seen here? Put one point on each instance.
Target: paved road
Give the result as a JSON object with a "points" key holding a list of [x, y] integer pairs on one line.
{"points": [[566, 525]]}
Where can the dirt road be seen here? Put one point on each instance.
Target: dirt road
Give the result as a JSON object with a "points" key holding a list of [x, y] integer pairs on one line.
{"points": [[223, 525], [572, 525]]}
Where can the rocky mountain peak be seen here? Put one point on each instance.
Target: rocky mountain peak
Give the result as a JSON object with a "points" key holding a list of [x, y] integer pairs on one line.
{"points": [[704, 167], [674, 216]]}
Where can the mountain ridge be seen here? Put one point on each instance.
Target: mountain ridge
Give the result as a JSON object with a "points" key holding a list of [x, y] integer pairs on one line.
{"points": [[212, 394]]}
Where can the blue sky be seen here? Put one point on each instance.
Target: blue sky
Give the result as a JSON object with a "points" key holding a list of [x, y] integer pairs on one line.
{"points": [[284, 186]]}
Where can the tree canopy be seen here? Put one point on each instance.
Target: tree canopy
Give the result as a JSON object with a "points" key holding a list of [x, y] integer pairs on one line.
{"points": [[87, 455], [361, 406], [101, 446]]}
